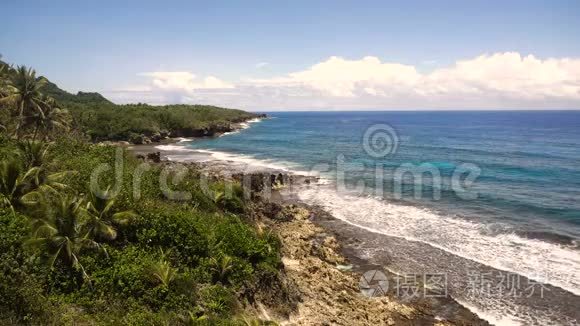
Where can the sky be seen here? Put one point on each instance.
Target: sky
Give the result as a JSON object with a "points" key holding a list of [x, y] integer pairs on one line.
{"points": [[305, 55]]}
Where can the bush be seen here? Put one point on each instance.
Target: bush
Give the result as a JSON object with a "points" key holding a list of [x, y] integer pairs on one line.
{"points": [[212, 252]]}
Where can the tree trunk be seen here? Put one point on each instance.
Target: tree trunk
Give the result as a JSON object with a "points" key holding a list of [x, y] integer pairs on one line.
{"points": [[35, 133], [20, 118]]}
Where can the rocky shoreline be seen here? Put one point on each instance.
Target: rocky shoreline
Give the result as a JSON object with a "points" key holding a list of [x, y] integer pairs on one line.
{"points": [[169, 136], [321, 276]]}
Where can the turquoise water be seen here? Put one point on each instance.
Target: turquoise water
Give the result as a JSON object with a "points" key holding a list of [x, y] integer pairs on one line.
{"points": [[529, 161], [520, 213]]}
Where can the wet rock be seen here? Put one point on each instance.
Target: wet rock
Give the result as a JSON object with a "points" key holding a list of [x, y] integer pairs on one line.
{"points": [[328, 295], [290, 212], [156, 137], [154, 157], [139, 139]]}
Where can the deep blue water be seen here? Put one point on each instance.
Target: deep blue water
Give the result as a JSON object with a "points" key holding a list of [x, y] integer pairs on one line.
{"points": [[529, 161]]}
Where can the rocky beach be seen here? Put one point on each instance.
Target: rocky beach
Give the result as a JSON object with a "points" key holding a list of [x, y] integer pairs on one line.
{"points": [[322, 270]]}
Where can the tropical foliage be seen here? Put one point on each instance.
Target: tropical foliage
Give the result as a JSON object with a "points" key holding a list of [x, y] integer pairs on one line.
{"points": [[69, 255], [36, 108]]}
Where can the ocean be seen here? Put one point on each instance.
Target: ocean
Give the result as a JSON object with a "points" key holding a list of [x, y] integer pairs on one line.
{"points": [[493, 190]]}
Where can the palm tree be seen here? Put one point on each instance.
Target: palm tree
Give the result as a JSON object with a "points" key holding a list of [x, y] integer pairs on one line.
{"points": [[24, 94], [103, 220], [50, 120], [161, 272], [221, 268], [59, 233], [4, 69], [14, 182], [3, 88], [33, 153], [21, 178]]}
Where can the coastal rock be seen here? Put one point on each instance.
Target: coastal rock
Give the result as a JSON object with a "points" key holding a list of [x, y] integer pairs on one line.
{"points": [[139, 139], [253, 184], [154, 157], [290, 212], [328, 295], [156, 137], [208, 131]]}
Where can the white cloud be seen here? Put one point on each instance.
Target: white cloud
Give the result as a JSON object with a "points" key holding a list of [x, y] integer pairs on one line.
{"points": [[508, 74], [501, 80], [184, 80], [261, 65]]}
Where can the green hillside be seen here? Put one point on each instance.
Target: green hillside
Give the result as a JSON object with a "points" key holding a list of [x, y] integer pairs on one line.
{"points": [[100, 119]]}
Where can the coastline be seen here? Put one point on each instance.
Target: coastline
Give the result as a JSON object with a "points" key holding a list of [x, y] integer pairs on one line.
{"points": [[318, 260], [398, 255]]}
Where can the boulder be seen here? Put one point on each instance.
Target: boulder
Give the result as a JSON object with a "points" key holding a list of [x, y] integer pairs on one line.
{"points": [[155, 157], [138, 139], [156, 137], [164, 134]]}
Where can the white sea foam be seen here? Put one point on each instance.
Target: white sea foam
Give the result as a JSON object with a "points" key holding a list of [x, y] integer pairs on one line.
{"points": [[255, 163], [491, 317], [538, 260], [248, 160], [242, 126], [174, 148]]}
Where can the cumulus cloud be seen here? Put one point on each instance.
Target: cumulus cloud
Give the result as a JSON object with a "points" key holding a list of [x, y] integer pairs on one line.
{"points": [[500, 80], [184, 80], [508, 74]]}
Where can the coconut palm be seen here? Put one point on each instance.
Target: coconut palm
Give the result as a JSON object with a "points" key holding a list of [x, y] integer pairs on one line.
{"points": [[24, 94], [52, 119], [3, 88], [222, 266], [14, 182], [103, 219], [25, 174], [33, 153], [3, 80], [59, 233], [161, 272]]}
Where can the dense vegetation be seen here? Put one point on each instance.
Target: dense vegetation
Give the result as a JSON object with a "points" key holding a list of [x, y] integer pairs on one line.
{"points": [[100, 119], [70, 254]]}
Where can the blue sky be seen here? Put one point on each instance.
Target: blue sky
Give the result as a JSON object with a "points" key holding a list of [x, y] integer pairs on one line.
{"points": [[112, 46]]}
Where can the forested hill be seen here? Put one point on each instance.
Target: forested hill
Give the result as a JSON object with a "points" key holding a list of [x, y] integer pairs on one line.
{"points": [[64, 97], [100, 119]]}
